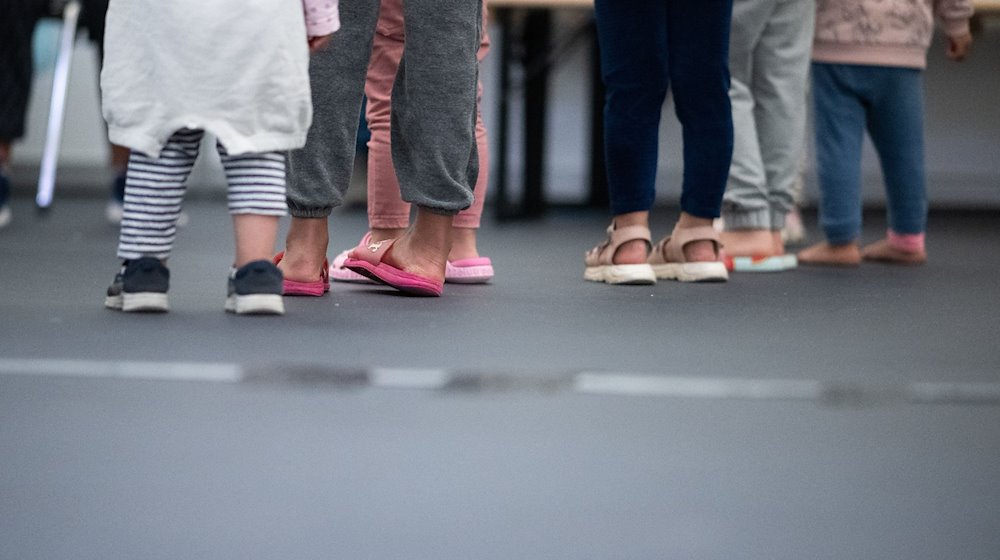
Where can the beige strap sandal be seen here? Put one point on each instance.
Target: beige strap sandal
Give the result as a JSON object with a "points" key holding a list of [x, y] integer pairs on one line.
{"points": [[667, 259], [600, 267]]}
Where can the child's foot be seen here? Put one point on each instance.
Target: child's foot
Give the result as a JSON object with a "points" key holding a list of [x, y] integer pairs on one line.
{"points": [[689, 254], [751, 243], [464, 266], [463, 244], [255, 289], [824, 253], [757, 250], [621, 258], [883, 251], [141, 285]]}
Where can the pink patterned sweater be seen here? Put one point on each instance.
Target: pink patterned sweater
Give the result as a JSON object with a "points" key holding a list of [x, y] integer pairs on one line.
{"points": [[322, 17], [884, 32]]}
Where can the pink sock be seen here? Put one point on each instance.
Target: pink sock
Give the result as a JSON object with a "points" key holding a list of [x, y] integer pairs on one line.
{"points": [[907, 242]]}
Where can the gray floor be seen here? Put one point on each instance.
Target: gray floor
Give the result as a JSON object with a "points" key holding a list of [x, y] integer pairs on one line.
{"points": [[817, 414]]}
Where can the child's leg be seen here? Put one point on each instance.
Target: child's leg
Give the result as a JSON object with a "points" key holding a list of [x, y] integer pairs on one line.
{"points": [[467, 221], [388, 214], [840, 124], [840, 120], [778, 72], [745, 207], [154, 191], [256, 201], [698, 50], [896, 127]]}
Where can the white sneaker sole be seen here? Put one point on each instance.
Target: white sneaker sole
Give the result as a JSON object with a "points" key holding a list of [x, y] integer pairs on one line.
{"points": [[627, 274], [692, 271], [152, 302], [255, 304]]}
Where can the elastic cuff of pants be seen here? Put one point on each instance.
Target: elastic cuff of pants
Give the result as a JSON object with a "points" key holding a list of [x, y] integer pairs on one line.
{"points": [[778, 221], [441, 211], [258, 212], [466, 222], [756, 219], [906, 242], [310, 212], [389, 222]]}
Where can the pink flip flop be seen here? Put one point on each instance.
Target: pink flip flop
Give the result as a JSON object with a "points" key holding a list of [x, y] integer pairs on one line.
{"points": [[315, 288], [366, 260]]}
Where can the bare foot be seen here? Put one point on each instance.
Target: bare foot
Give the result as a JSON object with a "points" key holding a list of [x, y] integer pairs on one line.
{"points": [[824, 253], [751, 243], [702, 250], [882, 251], [416, 258], [423, 250], [383, 234], [305, 249], [463, 244], [631, 252]]}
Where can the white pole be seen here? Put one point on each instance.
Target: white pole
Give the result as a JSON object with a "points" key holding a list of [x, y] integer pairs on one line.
{"points": [[57, 105]]}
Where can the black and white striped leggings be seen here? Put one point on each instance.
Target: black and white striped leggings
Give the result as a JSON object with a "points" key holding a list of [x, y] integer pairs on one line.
{"points": [[154, 191]]}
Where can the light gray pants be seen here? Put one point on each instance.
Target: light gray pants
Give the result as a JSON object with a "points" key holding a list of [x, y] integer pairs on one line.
{"points": [[770, 46], [433, 119]]}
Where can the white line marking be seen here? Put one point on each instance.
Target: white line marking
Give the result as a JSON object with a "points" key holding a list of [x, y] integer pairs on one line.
{"points": [[591, 383], [631, 384], [954, 392], [165, 371], [402, 378]]}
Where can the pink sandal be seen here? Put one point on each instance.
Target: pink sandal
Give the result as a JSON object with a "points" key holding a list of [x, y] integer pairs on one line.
{"points": [[366, 260], [668, 260], [476, 270], [315, 288]]}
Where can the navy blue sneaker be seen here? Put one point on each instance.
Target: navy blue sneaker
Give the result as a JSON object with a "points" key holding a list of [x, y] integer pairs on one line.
{"points": [[141, 285], [255, 289], [4, 198]]}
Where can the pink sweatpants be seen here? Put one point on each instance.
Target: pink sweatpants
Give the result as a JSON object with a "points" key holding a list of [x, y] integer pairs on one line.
{"points": [[386, 209]]}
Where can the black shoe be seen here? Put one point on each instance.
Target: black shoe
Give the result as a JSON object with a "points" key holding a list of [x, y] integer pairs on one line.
{"points": [[4, 197], [141, 285], [255, 288]]}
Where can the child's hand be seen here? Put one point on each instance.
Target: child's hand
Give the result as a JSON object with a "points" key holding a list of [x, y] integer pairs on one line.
{"points": [[317, 43], [958, 47]]}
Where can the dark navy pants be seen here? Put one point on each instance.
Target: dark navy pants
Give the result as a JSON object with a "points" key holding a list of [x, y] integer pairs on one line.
{"points": [[648, 47]]}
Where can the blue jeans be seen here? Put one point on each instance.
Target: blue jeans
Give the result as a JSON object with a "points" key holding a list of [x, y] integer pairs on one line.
{"points": [[648, 46], [889, 103]]}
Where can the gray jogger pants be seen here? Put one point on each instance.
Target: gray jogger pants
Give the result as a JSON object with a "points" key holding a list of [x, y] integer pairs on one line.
{"points": [[433, 108], [769, 51]]}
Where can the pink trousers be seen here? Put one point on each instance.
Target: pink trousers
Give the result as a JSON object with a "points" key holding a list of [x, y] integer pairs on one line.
{"points": [[386, 209]]}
